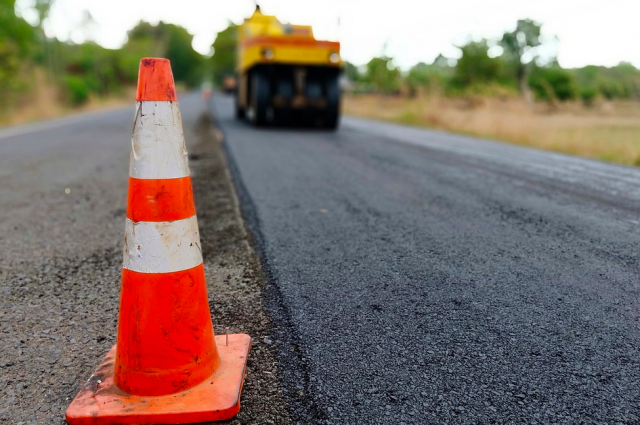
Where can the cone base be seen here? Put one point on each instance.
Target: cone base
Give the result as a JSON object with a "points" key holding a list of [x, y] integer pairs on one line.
{"points": [[100, 401]]}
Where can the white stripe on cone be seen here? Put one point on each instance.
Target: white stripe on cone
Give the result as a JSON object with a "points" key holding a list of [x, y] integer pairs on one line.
{"points": [[158, 150], [162, 247]]}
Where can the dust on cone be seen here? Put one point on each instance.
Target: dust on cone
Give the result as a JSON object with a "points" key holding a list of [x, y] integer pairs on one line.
{"points": [[167, 365]]}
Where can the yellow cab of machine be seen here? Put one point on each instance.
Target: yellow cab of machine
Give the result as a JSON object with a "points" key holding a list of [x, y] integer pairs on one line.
{"points": [[285, 75]]}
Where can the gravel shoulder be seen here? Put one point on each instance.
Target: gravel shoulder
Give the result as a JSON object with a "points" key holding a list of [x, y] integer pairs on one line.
{"points": [[234, 275]]}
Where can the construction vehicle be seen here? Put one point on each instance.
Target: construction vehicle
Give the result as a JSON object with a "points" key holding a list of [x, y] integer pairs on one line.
{"points": [[286, 76]]}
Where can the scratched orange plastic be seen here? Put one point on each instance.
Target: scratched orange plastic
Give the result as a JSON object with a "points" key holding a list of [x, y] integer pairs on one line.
{"points": [[155, 80], [160, 199], [100, 402], [165, 335]]}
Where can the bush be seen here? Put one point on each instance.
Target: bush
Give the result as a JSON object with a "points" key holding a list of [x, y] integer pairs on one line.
{"points": [[588, 95], [77, 89], [382, 75], [553, 84], [475, 67]]}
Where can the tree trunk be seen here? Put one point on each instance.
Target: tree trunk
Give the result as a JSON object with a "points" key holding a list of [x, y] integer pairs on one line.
{"points": [[524, 86]]}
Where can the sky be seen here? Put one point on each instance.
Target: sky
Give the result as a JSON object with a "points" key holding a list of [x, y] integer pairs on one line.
{"points": [[589, 32]]}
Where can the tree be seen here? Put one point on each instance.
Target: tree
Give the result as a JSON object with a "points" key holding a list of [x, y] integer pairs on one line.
{"points": [[619, 82], [520, 49], [48, 52], [554, 83], [351, 72], [441, 62], [15, 31], [43, 7], [475, 67], [419, 77], [225, 53], [186, 63], [17, 45], [383, 75], [172, 42], [91, 69]]}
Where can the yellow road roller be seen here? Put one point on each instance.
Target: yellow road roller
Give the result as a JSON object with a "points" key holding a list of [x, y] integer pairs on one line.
{"points": [[286, 76]]}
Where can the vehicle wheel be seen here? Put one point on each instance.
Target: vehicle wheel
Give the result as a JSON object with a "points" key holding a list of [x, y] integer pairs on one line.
{"points": [[259, 98], [285, 90], [332, 113]]}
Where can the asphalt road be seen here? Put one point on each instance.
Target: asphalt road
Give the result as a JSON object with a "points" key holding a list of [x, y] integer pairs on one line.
{"points": [[423, 277], [413, 276]]}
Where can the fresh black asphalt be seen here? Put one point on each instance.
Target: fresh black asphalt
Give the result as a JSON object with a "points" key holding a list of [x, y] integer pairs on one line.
{"points": [[415, 276], [422, 277]]}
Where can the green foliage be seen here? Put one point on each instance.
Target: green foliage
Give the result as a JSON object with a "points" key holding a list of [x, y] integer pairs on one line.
{"points": [[382, 75], [187, 64], [517, 44], [42, 7], [15, 30], [618, 82], [475, 67], [91, 69], [352, 72], [523, 39], [553, 83], [85, 70], [77, 89], [18, 41], [128, 58], [420, 76], [627, 76], [172, 42], [224, 56], [424, 77], [99, 68], [588, 95]]}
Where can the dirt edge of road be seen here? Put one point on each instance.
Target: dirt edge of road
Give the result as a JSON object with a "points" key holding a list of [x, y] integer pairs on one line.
{"points": [[292, 363], [234, 275]]}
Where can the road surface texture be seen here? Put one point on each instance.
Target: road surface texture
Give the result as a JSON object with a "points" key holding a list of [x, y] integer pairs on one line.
{"points": [[422, 277], [62, 215]]}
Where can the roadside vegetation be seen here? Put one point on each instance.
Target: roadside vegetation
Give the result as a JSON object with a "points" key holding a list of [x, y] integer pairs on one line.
{"points": [[41, 77], [510, 89], [607, 132]]}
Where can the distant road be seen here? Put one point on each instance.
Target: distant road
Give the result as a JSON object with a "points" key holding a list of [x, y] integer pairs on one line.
{"points": [[423, 277]]}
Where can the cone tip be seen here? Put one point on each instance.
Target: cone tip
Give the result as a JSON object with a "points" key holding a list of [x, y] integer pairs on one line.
{"points": [[155, 80]]}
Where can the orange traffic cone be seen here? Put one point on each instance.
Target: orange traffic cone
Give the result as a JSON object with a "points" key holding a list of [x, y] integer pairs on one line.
{"points": [[167, 366]]}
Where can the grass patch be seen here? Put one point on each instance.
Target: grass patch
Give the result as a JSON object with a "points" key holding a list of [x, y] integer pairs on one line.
{"points": [[607, 131], [45, 102]]}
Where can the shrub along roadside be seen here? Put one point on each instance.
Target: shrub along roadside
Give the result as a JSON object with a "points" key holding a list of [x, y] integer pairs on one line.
{"points": [[511, 65], [76, 73], [503, 68]]}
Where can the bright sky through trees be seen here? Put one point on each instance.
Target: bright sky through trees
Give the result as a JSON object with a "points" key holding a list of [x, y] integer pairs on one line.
{"points": [[599, 32]]}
